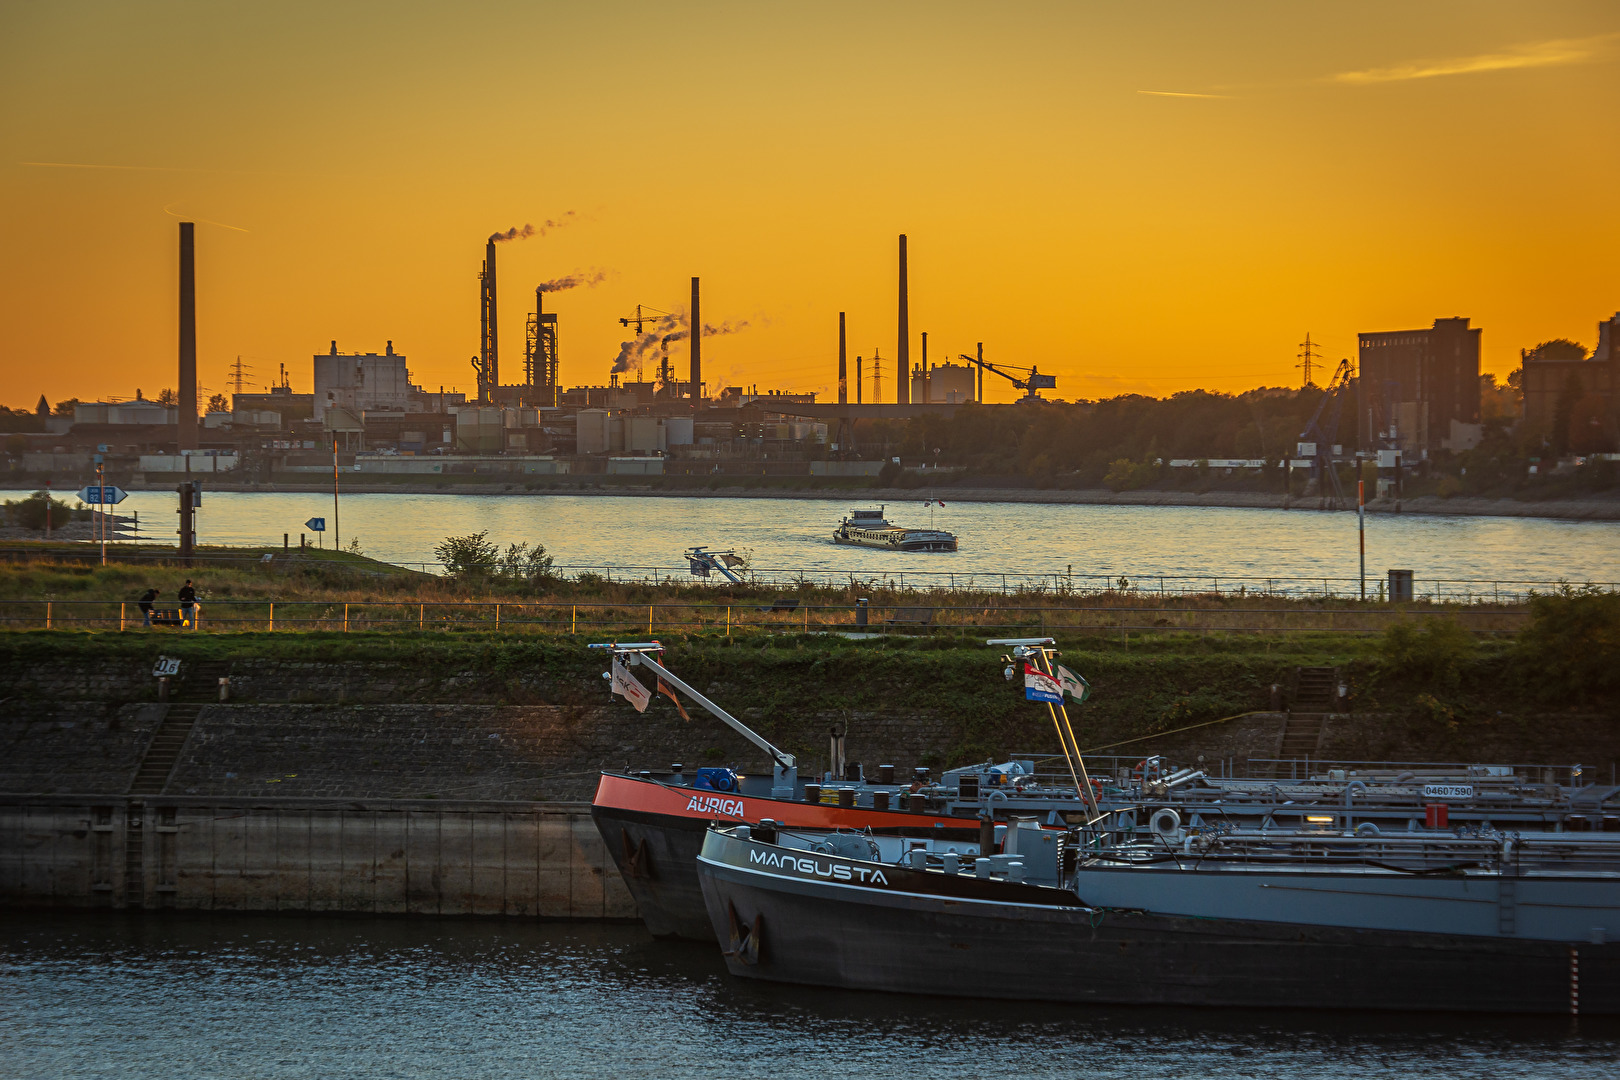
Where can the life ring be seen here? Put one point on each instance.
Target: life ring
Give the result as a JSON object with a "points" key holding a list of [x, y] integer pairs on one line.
{"points": [[1165, 822]]}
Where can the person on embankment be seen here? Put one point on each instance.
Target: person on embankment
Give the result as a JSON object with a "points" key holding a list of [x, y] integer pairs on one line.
{"points": [[148, 598]]}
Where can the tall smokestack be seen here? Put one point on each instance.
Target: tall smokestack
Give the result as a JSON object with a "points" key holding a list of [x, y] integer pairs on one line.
{"points": [[926, 396], [489, 333], [697, 345], [857, 380], [902, 363], [843, 365], [188, 337]]}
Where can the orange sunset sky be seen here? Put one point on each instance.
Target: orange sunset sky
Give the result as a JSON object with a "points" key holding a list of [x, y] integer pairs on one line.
{"points": [[1138, 197]]}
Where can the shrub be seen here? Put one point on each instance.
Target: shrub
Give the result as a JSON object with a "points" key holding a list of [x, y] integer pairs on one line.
{"points": [[1435, 650], [889, 473], [30, 512], [1572, 646]]}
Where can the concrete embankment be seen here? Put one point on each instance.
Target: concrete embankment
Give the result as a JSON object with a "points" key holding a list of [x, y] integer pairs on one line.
{"points": [[416, 857]]}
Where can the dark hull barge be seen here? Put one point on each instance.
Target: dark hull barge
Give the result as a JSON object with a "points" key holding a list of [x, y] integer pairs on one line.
{"points": [[818, 919]]}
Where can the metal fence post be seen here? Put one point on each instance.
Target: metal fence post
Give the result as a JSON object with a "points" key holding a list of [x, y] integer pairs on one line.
{"points": [[272, 616], [573, 621], [121, 620], [497, 618], [649, 619], [345, 618], [47, 613]]}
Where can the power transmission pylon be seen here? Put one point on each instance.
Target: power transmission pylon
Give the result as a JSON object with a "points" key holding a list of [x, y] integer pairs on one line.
{"points": [[1308, 356], [239, 372]]}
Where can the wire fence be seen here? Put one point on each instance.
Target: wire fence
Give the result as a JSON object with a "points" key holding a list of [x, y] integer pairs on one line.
{"points": [[786, 615], [1143, 585]]}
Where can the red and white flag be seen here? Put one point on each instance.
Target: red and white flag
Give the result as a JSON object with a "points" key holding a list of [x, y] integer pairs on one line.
{"points": [[629, 687]]}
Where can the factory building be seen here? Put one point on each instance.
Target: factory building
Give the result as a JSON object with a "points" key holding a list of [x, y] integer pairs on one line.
{"points": [[1418, 390], [361, 382], [946, 384], [1571, 401]]}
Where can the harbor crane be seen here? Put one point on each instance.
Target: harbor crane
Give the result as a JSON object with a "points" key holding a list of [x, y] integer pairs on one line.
{"points": [[1028, 379], [1317, 440]]}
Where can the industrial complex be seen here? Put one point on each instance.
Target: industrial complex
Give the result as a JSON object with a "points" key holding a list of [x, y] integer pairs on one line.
{"points": [[1413, 394]]}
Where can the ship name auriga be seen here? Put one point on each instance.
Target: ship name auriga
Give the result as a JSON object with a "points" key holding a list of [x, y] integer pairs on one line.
{"points": [[710, 804], [812, 868]]}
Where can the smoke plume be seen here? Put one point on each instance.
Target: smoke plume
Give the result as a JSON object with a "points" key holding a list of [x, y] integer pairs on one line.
{"points": [[526, 231], [676, 327], [578, 278]]}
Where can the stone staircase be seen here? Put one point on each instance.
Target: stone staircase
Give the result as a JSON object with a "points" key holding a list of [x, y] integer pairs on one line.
{"points": [[1315, 691], [198, 687]]}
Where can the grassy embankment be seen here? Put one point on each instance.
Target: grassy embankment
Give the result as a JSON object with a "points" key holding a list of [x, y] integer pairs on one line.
{"points": [[1448, 698], [314, 590]]}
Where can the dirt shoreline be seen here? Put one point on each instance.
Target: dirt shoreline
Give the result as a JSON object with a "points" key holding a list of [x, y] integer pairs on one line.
{"points": [[1601, 508]]}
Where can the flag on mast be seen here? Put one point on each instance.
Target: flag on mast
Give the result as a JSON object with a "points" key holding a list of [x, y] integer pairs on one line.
{"points": [[1039, 686], [1073, 685], [669, 692], [629, 687]]}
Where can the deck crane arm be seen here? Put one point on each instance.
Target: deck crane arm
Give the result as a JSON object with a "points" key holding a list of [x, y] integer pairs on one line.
{"points": [[647, 654]]}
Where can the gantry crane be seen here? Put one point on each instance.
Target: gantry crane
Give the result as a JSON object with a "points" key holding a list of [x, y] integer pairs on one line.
{"points": [[1316, 441], [1031, 380]]}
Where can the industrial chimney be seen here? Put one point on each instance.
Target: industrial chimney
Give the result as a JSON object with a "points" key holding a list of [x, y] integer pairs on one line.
{"points": [[902, 364], [697, 346], [843, 365], [489, 369], [188, 337]]}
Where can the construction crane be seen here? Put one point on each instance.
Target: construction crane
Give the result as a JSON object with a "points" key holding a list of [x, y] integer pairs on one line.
{"points": [[644, 315], [1028, 379], [1317, 440]]}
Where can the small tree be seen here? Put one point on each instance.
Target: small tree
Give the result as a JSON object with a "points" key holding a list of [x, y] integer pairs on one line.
{"points": [[468, 556], [167, 397], [217, 403], [65, 408]]}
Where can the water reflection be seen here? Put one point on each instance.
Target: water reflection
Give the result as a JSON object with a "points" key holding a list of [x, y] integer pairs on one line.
{"points": [[189, 995], [1139, 542]]}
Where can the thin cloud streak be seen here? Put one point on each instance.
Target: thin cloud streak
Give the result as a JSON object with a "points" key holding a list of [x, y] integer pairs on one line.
{"points": [[1536, 54], [1174, 93], [203, 221]]}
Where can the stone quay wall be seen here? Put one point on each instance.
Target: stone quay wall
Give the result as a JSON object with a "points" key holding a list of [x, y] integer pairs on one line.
{"points": [[421, 857]]}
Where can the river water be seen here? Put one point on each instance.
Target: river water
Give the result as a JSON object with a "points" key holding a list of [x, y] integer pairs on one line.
{"points": [[131, 997], [1092, 543]]}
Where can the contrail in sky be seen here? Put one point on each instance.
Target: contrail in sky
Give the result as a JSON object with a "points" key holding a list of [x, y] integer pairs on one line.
{"points": [[1535, 54], [1173, 93], [205, 221]]}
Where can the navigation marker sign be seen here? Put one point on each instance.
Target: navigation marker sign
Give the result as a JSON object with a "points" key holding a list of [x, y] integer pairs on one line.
{"points": [[315, 524], [98, 495]]}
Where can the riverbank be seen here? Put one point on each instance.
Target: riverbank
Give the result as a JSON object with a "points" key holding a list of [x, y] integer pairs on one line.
{"points": [[1595, 507]]}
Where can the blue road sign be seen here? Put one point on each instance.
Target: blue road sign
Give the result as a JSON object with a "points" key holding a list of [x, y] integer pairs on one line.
{"points": [[315, 524], [99, 495]]}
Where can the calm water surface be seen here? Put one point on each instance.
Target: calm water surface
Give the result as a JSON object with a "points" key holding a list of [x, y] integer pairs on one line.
{"points": [[211, 996], [788, 534]]}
